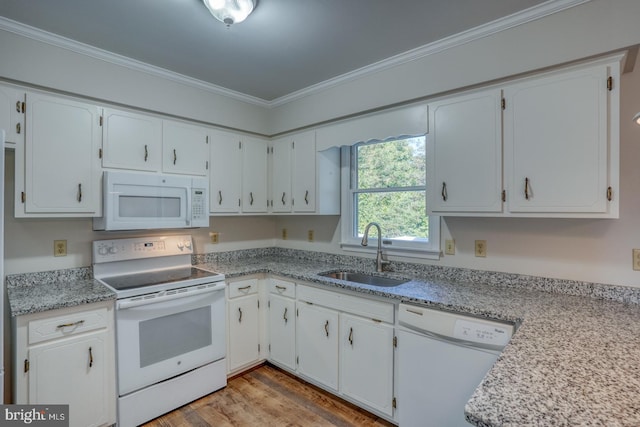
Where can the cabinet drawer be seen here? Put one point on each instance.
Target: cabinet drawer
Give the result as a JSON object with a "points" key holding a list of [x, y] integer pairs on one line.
{"points": [[360, 306], [67, 325], [282, 287], [242, 288]]}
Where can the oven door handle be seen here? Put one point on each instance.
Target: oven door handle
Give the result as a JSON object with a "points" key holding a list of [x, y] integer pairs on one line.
{"points": [[164, 297]]}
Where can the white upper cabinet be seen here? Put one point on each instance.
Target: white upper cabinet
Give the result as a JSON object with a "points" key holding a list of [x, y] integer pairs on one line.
{"points": [[131, 141], [281, 154], [254, 175], [557, 142], [304, 172], [11, 114], [464, 154], [303, 180], [58, 167], [225, 172], [185, 148], [549, 149]]}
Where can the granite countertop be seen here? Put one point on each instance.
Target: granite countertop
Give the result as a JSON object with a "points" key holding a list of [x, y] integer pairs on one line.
{"points": [[574, 359], [36, 292]]}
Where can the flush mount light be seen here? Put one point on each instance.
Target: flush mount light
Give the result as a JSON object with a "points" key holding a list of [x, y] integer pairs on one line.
{"points": [[636, 118], [230, 11]]}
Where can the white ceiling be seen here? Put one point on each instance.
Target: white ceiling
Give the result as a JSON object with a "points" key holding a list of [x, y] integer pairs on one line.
{"points": [[285, 46]]}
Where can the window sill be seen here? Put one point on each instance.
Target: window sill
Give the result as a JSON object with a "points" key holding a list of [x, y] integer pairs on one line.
{"points": [[395, 252]]}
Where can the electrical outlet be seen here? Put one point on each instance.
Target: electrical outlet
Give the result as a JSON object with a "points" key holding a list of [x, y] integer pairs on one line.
{"points": [[481, 248], [310, 235], [215, 237], [284, 234], [59, 248], [636, 259], [450, 247]]}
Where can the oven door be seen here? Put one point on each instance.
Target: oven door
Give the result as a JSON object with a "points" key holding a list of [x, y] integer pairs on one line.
{"points": [[168, 336]]}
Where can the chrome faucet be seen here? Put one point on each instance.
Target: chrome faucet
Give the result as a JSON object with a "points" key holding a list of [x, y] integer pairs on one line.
{"points": [[380, 262]]}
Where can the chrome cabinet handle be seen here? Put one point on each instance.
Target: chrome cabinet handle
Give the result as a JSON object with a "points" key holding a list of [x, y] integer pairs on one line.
{"points": [[219, 197], [244, 288], [251, 198], [326, 328], [283, 198], [146, 152], [68, 325], [351, 336], [281, 288], [306, 197], [526, 188], [18, 105], [79, 193], [239, 315], [175, 156], [445, 196], [90, 358], [284, 316]]}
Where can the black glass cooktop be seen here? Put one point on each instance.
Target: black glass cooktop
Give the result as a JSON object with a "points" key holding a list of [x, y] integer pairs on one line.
{"points": [[140, 280]]}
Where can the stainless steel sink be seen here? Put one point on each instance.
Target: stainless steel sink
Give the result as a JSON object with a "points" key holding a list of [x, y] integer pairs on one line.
{"points": [[366, 279]]}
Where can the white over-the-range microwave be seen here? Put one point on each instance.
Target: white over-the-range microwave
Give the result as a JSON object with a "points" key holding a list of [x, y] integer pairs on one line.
{"points": [[142, 201]]}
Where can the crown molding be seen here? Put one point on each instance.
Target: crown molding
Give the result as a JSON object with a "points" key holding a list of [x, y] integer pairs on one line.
{"points": [[536, 12], [124, 61], [533, 13]]}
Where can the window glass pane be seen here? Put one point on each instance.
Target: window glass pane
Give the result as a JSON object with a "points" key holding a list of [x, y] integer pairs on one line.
{"points": [[388, 164], [401, 214]]}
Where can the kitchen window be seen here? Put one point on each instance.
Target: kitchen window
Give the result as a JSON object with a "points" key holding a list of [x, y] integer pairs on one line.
{"points": [[385, 182]]}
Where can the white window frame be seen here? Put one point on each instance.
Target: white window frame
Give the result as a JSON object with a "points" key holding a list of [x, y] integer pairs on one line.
{"points": [[349, 241]]}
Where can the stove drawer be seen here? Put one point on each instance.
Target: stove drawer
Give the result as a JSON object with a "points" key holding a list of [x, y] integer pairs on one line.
{"points": [[243, 287], [70, 323]]}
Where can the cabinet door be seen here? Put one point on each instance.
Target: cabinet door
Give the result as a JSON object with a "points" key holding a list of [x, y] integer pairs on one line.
{"points": [[11, 116], [244, 339], [464, 154], [185, 148], [75, 372], [226, 172], [282, 331], [304, 172], [366, 362], [317, 340], [131, 141], [556, 142], [62, 169], [254, 175], [281, 175]]}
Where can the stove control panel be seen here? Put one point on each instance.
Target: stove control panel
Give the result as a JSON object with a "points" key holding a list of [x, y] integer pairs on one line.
{"points": [[141, 247]]}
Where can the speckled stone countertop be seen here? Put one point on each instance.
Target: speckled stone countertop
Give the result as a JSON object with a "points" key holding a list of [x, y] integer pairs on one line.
{"points": [[574, 360], [36, 292]]}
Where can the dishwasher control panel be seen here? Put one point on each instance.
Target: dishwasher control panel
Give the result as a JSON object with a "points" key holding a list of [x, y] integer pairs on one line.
{"points": [[480, 332]]}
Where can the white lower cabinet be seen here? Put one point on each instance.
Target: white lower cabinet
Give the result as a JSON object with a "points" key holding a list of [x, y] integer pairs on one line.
{"points": [[318, 344], [243, 324], [346, 344], [282, 323], [67, 357], [366, 361]]}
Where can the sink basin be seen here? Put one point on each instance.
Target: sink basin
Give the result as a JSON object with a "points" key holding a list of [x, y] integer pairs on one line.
{"points": [[366, 279]]}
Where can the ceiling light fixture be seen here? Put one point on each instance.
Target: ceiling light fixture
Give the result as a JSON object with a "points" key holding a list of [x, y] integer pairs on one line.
{"points": [[230, 11], [636, 118]]}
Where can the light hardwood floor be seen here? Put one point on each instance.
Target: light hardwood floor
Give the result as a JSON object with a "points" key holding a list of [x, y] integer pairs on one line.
{"points": [[268, 396]]}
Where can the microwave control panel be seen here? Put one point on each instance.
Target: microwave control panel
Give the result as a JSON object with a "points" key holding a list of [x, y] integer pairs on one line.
{"points": [[199, 206]]}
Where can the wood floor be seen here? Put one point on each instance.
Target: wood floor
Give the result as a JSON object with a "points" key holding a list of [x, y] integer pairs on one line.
{"points": [[268, 396]]}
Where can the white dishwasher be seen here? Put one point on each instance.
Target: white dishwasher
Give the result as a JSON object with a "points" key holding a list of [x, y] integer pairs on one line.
{"points": [[442, 357]]}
